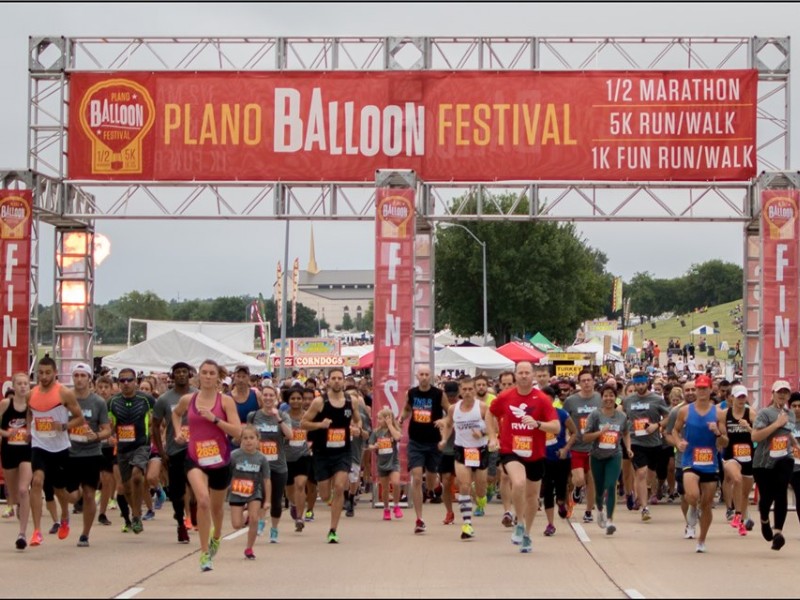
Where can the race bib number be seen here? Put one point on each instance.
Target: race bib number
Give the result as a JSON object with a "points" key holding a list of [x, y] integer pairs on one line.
{"points": [[779, 446], [582, 424], [185, 432], [19, 437], [522, 445], [703, 457], [79, 434], [608, 440], [126, 434], [243, 487], [298, 438], [640, 427], [336, 438], [551, 439], [385, 446], [269, 448], [421, 415], [472, 457], [45, 426], [796, 454], [742, 453], [208, 453]]}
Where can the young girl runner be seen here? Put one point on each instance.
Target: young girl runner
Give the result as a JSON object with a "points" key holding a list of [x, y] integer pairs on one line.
{"points": [[384, 439], [250, 486]]}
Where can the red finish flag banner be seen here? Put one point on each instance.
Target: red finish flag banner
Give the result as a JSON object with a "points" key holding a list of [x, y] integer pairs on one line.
{"points": [[781, 247], [462, 126], [15, 266]]}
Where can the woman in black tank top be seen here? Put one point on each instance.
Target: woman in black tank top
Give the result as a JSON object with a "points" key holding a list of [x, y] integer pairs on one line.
{"points": [[739, 459]]}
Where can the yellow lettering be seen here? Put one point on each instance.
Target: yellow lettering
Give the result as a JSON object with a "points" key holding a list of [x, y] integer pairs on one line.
{"points": [[443, 123], [531, 125], [515, 124], [568, 139], [230, 123], [550, 128], [187, 120], [501, 122], [208, 129], [482, 112], [252, 115], [461, 124], [172, 120]]}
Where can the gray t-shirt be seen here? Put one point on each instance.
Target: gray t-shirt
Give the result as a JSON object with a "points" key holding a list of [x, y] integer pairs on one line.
{"points": [[579, 409], [297, 447], [163, 410], [248, 474], [273, 442], [357, 441], [95, 412], [671, 420], [388, 457], [609, 444], [778, 445], [642, 412]]}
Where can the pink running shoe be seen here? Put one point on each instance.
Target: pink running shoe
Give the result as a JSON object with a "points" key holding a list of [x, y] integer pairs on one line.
{"points": [[387, 514], [398, 512]]}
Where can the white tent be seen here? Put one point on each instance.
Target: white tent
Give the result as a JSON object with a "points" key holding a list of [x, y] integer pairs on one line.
{"points": [[161, 352], [445, 337], [471, 359], [704, 330], [238, 336], [593, 346]]}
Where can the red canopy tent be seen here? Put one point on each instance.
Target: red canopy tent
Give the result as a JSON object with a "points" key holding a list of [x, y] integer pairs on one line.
{"points": [[517, 351], [366, 361]]}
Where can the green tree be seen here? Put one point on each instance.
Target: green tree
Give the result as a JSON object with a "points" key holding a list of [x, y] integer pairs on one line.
{"points": [[190, 310], [230, 309], [642, 291], [540, 275], [713, 282], [369, 317], [347, 322], [307, 323], [139, 305], [45, 324]]}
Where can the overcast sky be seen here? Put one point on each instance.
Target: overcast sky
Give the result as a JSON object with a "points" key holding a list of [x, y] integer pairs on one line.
{"points": [[244, 261]]}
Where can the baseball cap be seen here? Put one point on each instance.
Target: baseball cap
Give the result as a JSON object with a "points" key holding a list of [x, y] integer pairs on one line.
{"points": [[451, 387], [82, 368], [738, 391], [702, 381], [781, 384], [180, 365], [227, 381], [244, 368]]}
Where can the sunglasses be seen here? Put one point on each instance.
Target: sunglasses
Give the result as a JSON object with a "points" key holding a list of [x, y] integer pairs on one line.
{"points": [[126, 379]]}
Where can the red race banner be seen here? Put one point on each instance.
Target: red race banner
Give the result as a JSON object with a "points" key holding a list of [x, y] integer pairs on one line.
{"points": [[461, 126], [780, 235], [15, 266]]}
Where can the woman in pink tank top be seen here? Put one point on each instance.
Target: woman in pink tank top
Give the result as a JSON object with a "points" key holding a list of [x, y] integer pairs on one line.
{"points": [[212, 418]]}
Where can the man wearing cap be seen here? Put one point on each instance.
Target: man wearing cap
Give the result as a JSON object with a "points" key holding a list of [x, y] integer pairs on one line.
{"points": [[645, 410], [175, 456], [85, 454], [704, 435], [773, 462], [738, 458], [248, 399]]}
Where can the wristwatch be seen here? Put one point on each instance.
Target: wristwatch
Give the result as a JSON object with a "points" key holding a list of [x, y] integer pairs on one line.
{"points": [[216, 420]]}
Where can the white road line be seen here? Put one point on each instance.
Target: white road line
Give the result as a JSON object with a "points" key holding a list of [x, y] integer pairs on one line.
{"points": [[580, 532], [236, 534], [130, 593], [631, 593]]}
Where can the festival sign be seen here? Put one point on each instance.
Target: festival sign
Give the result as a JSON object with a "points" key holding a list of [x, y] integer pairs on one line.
{"points": [[462, 126], [15, 267]]}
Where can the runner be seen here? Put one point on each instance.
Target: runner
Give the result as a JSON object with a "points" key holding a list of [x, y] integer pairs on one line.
{"points": [[689, 394], [212, 418], [557, 465], [467, 418], [250, 486], [274, 429], [332, 419], [108, 483], [607, 430], [384, 441], [311, 486], [298, 459], [15, 453], [773, 463], [506, 381], [447, 465], [704, 435], [52, 412], [174, 454], [794, 404], [526, 415], [248, 399], [85, 455], [425, 406], [579, 406], [483, 393], [738, 457], [357, 448]]}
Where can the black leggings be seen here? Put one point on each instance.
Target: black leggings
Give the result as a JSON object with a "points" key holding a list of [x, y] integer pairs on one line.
{"points": [[773, 486], [177, 484], [278, 481], [554, 482], [795, 483]]}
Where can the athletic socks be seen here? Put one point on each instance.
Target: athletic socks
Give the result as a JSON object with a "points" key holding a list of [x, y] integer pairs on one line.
{"points": [[465, 506]]}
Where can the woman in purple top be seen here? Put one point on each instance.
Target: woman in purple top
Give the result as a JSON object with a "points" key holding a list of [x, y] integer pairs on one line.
{"points": [[212, 417]]}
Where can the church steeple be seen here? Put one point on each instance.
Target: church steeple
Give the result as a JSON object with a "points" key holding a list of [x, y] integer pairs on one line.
{"points": [[312, 259]]}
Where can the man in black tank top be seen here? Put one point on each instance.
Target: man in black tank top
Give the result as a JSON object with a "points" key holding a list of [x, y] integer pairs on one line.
{"points": [[331, 420]]}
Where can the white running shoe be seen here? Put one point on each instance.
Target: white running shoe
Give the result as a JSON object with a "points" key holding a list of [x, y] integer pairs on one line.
{"points": [[691, 516], [689, 533], [517, 535], [701, 548], [601, 519]]}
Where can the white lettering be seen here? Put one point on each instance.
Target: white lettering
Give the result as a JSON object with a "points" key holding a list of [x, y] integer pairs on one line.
{"points": [[392, 330], [389, 389], [11, 260], [10, 298], [287, 114], [780, 260], [781, 332], [9, 332], [394, 260]]}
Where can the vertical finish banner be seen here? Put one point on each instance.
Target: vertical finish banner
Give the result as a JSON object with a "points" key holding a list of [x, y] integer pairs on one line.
{"points": [[780, 306], [15, 266]]}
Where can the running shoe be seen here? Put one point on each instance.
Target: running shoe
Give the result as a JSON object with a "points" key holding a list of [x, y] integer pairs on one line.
{"points": [[691, 516], [653, 500], [629, 501], [63, 530], [527, 545], [766, 531], [262, 525], [518, 534], [646, 514], [778, 541], [205, 562], [213, 545], [126, 527], [601, 519], [21, 543], [478, 512], [749, 524], [587, 517], [729, 513], [54, 529], [248, 554], [570, 506], [508, 519], [467, 531], [398, 512], [419, 526], [309, 517], [481, 502], [273, 535], [449, 518], [112, 504], [701, 548], [161, 497], [562, 510], [736, 521], [36, 538], [103, 520], [490, 492], [149, 515], [136, 526], [673, 496], [610, 528], [742, 529], [333, 537], [387, 514], [183, 534], [576, 495], [349, 508], [689, 532], [293, 512], [550, 530], [83, 541], [9, 513], [77, 508]]}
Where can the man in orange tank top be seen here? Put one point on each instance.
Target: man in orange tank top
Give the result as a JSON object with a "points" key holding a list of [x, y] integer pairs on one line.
{"points": [[52, 412]]}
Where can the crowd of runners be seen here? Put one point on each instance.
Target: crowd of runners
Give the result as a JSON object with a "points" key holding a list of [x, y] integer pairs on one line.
{"points": [[204, 439]]}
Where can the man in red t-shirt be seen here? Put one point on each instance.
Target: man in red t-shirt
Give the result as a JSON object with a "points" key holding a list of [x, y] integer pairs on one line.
{"points": [[526, 416]]}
